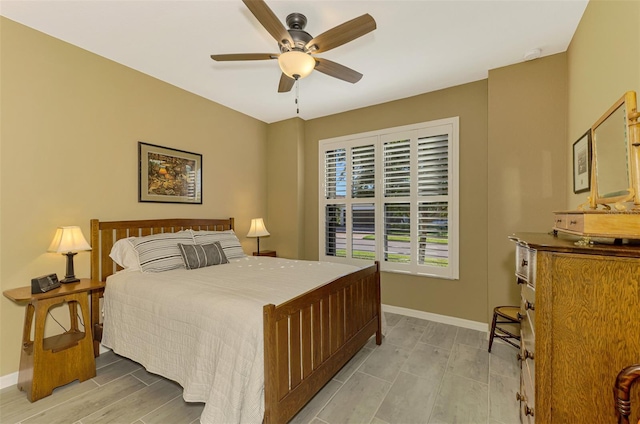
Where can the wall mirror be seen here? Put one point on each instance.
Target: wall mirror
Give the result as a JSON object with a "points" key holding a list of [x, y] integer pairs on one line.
{"points": [[615, 177]]}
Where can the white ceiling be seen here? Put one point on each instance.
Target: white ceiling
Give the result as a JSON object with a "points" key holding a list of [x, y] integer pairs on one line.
{"points": [[419, 46]]}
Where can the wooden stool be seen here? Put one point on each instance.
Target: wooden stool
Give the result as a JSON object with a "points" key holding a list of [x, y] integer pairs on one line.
{"points": [[504, 315]]}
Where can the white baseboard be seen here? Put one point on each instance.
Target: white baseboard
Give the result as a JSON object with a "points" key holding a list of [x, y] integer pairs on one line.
{"points": [[12, 379], [8, 380], [460, 322], [104, 349]]}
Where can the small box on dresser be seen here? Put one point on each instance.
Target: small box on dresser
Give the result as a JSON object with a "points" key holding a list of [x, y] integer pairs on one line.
{"points": [[579, 326]]}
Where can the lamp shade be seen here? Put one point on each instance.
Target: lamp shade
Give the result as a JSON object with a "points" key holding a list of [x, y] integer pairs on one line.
{"points": [[295, 64], [257, 228], [68, 239]]}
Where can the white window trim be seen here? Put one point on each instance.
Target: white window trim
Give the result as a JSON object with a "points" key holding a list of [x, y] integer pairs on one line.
{"points": [[375, 137]]}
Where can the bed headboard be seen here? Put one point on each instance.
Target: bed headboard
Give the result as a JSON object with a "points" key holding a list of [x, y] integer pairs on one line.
{"points": [[105, 234]]}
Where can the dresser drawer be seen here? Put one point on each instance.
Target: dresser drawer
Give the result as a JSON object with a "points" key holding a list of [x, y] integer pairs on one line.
{"points": [[527, 413], [527, 394], [560, 221], [569, 222], [575, 222], [527, 336], [527, 345], [528, 305], [522, 395], [528, 371], [526, 264]]}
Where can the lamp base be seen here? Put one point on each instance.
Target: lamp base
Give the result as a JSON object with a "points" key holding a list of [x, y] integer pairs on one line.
{"points": [[71, 279]]}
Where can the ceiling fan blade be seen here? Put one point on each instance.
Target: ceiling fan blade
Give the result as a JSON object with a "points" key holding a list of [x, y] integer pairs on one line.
{"points": [[342, 34], [269, 21], [336, 70], [286, 83], [243, 56]]}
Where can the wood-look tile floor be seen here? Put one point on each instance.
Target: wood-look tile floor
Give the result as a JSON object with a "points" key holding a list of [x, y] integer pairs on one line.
{"points": [[424, 372]]}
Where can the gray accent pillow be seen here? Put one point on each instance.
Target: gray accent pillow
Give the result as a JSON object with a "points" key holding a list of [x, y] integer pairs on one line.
{"points": [[201, 255]]}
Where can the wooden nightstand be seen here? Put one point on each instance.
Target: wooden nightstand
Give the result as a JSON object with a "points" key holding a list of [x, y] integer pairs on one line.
{"points": [[265, 253], [50, 362]]}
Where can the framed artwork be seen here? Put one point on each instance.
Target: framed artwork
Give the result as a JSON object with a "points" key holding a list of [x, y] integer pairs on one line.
{"points": [[582, 163], [168, 175]]}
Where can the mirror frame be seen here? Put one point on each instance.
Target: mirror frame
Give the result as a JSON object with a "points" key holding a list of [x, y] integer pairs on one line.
{"points": [[633, 156]]}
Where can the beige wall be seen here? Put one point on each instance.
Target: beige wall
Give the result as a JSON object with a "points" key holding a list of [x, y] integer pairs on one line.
{"points": [[603, 63], [71, 121], [465, 298], [285, 177], [527, 161]]}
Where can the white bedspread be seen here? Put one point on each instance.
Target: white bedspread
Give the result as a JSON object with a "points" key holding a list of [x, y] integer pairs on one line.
{"points": [[203, 328]]}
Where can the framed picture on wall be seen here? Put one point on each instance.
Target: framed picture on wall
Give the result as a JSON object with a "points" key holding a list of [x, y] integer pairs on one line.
{"points": [[168, 175], [582, 163]]}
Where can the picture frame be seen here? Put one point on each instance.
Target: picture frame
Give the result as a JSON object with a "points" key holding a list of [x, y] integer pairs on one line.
{"points": [[167, 175], [582, 163]]}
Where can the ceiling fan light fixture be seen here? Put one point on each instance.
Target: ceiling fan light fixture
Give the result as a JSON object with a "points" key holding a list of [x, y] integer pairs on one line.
{"points": [[296, 64]]}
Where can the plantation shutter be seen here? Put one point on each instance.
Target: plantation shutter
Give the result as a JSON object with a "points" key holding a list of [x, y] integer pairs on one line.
{"points": [[397, 162], [433, 166], [335, 165], [433, 207], [392, 196]]}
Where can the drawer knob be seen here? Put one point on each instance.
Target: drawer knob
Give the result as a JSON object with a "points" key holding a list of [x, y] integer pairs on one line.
{"points": [[530, 306], [573, 222], [524, 355], [528, 410], [520, 316], [520, 398], [524, 262], [520, 281]]}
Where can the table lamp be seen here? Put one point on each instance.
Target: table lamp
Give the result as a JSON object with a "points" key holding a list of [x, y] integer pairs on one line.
{"points": [[69, 241], [257, 230]]}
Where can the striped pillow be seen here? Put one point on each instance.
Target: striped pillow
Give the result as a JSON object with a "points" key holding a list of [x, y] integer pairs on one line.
{"points": [[201, 255], [228, 240], [160, 252]]}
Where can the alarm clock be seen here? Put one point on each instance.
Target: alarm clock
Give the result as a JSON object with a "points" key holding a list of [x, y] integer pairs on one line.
{"points": [[44, 284]]}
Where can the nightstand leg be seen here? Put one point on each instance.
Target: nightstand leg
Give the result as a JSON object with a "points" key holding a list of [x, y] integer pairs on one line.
{"points": [[96, 328], [25, 376]]}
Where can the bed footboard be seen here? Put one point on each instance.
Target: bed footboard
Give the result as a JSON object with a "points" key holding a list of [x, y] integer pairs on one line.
{"points": [[309, 338]]}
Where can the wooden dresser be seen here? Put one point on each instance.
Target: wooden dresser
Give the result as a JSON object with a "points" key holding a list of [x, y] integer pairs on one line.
{"points": [[580, 310]]}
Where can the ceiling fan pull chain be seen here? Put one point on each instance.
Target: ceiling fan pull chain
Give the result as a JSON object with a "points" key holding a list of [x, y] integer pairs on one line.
{"points": [[297, 96]]}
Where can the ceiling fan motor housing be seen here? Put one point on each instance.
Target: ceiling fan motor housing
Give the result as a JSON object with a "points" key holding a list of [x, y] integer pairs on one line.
{"points": [[296, 23]]}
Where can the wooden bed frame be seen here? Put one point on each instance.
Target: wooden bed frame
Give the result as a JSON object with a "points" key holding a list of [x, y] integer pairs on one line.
{"points": [[306, 339]]}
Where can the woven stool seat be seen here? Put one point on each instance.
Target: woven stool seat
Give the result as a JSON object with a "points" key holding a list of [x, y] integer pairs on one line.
{"points": [[505, 315]]}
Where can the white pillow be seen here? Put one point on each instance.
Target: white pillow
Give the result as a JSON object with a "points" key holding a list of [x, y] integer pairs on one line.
{"points": [[160, 252], [124, 254], [227, 239]]}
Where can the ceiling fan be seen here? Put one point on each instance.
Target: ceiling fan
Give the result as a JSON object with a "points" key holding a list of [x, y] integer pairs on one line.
{"points": [[297, 46]]}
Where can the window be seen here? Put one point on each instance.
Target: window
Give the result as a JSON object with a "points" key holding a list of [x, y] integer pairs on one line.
{"points": [[392, 196]]}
